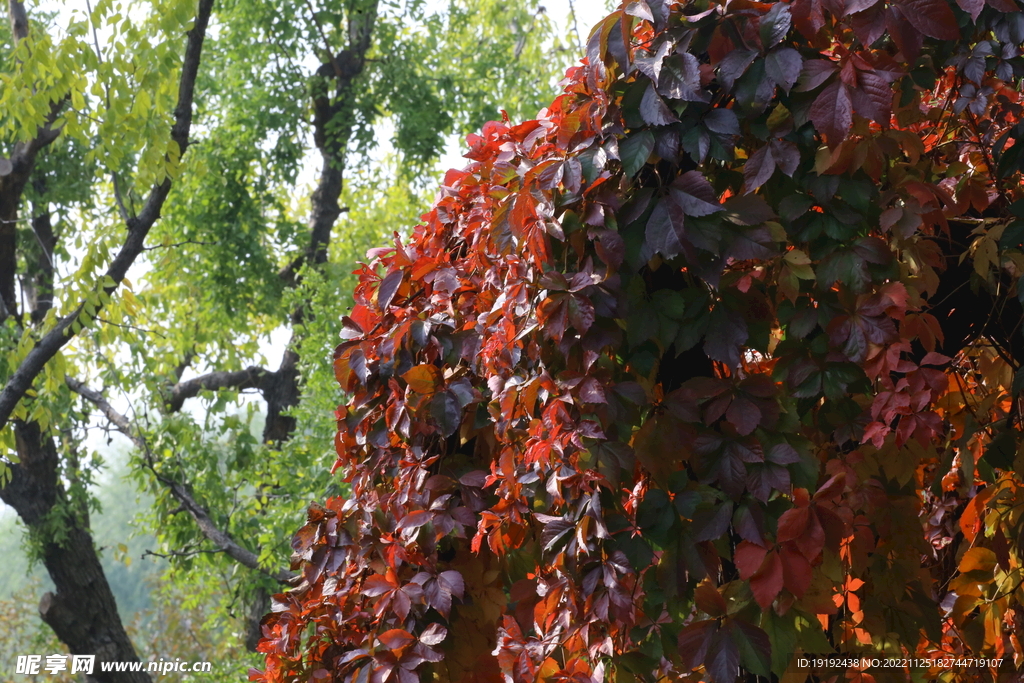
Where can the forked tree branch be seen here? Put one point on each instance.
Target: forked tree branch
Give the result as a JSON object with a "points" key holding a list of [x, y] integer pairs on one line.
{"points": [[138, 228], [220, 538]]}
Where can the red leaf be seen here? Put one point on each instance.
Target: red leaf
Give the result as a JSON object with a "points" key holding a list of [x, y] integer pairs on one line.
{"points": [[796, 570], [931, 17], [396, 638], [834, 527], [972, 7], [767, 582], [801, 526], [748, 558], [377, 585], [832, 113], [423, 379], [831, 488], [793, 523], [808, 18]]}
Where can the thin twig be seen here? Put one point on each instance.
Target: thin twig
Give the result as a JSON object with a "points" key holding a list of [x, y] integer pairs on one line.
{"points": [[131, 327], [323, 36], [179, 244], [575, 30]]}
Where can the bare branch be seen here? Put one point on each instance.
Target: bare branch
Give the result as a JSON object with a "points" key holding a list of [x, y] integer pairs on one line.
{"points": [[122, 423], [210, 530], [138, 228], [253, 377]]}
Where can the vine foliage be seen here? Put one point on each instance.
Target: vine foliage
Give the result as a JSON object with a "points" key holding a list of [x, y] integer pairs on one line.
{"points": [[712, 363]]}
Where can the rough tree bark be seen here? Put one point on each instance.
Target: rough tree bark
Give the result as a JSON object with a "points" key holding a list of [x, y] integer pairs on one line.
{"points": [[82, 611]]}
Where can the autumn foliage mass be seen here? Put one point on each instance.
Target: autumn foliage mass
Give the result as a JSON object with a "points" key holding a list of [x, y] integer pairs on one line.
{"points": [[712, 364]]}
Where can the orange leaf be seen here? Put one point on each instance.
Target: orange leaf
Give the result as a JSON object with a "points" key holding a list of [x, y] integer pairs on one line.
{"points": [[423, 379], [978, 559], [709, 600]]}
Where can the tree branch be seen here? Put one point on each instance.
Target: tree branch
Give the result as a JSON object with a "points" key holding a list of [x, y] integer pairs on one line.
{"points": [[19, 20], [253, 377], [220, 538], [14, 175], [138, 228]]}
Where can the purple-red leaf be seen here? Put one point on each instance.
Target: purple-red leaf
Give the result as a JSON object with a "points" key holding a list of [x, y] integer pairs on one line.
{"points": [[694, 194], [832, 113], [433, 634], [694, 641], [388, 286], [783, 454], [733, 65], [972, 7], [783, 65], [873, 97], [743, 414], [723, 658], [933, 18], [653, 109], [666, 228], [786, 156], [727, 331], [759, 168], [854, 6], [814, 73]]}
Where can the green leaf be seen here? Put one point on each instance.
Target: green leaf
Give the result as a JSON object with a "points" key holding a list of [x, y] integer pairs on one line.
{"points": [[635, 150]]}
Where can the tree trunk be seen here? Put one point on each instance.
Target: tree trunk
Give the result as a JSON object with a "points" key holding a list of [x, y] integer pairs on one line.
{"points": [[82, 611]]}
